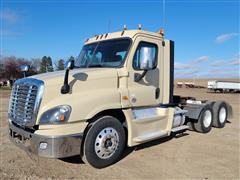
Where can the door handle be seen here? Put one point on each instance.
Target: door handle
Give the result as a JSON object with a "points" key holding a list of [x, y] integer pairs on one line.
{"points": [[157, 93]]}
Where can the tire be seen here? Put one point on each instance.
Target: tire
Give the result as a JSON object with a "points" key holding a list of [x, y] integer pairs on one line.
{"points": [[190, 125], [220, 114], [205, 120], [104, 142]]}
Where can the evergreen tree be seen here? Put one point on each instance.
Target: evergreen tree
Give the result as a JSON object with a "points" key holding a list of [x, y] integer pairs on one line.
{"points": [[43, 65], [46, 64], [49, 64], [60, 64]]}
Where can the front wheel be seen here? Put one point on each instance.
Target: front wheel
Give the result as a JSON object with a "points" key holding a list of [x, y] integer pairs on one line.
{"points": [[104, 142]]}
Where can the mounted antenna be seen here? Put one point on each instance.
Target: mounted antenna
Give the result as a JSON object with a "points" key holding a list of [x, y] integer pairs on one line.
{"points": [[124, 29], [139, 26], [109, 24], [164, 13]]}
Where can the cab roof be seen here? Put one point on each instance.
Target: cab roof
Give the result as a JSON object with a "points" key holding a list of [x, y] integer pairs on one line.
{"points": [[122, 34]]}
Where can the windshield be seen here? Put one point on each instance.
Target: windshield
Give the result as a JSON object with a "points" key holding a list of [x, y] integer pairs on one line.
{"points": [[103, 54]]}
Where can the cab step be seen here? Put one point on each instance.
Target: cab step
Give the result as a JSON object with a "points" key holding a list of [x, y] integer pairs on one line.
{"points": [[152, 136], [180, 128]]}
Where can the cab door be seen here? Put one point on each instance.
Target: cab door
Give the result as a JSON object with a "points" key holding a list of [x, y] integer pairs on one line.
{"points": [[143, 82]]}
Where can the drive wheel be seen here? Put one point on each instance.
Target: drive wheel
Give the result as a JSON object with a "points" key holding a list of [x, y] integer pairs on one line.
{"points": [[104, 142], [220, 113], [205, 121]]}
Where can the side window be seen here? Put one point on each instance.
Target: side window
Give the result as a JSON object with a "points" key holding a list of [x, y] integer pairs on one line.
{"points": [[145, 56]]}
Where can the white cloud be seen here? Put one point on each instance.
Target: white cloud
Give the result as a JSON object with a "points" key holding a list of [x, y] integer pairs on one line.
{"points": [[190, 64], [188, 73], [181, 66], [9, 16], [225, 37], [231, 62], [224, 70], [9, 33], [235, 62], [218, 63], [200, 59], [198, 68], [222, 74]]}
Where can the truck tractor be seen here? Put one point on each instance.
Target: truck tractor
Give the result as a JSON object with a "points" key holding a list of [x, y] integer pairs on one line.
{"points": [[118, 92]]}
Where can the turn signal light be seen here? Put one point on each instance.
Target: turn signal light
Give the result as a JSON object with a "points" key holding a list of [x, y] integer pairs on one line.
{"points": [[61, 117], [125, 97]]}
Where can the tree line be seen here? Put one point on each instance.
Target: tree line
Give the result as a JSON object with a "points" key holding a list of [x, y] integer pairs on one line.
{"points": [[9, 66]]}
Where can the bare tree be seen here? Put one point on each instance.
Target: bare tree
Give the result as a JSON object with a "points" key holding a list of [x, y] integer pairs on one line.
{"points": [[35, 64], [10, 67]]}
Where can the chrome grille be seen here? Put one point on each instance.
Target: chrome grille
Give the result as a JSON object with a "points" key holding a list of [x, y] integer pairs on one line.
{"points": [[25, 101]]}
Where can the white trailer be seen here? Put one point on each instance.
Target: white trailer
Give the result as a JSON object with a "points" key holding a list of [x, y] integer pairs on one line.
{"points": [[223, 86]]}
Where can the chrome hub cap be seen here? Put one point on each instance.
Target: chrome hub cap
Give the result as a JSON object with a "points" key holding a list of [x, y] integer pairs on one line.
{"points": [[207, 118], [106, 143], [222, 114]]}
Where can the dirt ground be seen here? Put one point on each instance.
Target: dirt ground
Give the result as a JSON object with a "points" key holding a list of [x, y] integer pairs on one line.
{"points": [[191, 156]]}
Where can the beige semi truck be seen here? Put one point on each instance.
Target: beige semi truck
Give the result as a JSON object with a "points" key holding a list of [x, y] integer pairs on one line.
{"points": [[117, 93]]}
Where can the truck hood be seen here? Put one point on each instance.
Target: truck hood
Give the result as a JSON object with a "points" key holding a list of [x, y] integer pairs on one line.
{"points": [[56, 78], [84, 85]]}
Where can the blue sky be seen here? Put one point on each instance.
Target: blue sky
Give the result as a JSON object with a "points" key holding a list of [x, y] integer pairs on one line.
{"points": [[206, 33]]}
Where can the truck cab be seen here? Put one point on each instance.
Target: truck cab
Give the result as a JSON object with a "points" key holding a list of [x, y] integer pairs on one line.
{"points": [[117, 93]]}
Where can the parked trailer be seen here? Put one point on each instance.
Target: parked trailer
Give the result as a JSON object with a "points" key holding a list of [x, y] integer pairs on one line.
{"points": [[223, 86]]}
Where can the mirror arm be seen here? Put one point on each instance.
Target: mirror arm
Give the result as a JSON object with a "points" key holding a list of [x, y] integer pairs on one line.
{"points": [[65, 88], [138, 77]]}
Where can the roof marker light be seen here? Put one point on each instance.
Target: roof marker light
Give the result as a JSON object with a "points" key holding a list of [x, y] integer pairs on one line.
{"points": [[139, 26], [161, 31]]}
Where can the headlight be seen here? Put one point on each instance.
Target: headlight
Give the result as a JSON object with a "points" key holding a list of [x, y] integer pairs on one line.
{"points": [[56, 115]]}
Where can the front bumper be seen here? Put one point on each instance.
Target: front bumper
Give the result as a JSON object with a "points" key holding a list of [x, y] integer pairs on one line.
{"points": [[51, 146]]}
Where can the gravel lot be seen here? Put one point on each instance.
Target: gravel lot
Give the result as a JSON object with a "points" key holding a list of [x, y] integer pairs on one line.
{"points": [[191, 156]]}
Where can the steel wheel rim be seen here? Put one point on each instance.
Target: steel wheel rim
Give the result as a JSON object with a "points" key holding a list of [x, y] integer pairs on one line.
{"points": [[207, 118], [222, 114], [106, 143]]}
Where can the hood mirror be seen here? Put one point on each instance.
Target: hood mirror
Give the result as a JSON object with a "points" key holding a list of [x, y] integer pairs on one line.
{"points": [[69, 64], [24, 69]]}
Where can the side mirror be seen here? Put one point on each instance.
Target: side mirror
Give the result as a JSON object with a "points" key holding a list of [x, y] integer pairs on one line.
{"points": [[147, 58], [69, 64], [24, 69]]}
